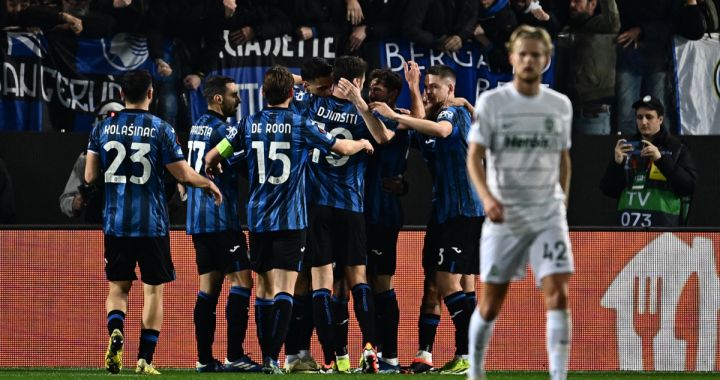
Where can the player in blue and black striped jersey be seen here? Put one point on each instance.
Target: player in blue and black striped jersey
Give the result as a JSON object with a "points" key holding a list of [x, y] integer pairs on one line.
{"points": [[384, 185], [337, 226], [453, 237], [315, 80], [276, 143], [220, 248], [133, 149]]}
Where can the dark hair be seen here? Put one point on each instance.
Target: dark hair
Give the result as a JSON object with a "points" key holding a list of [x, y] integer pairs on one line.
{"points": [[314, 68], [135, 85], [390, 79], [277, 84], [349, 67], [216, 85], [443, 71]]}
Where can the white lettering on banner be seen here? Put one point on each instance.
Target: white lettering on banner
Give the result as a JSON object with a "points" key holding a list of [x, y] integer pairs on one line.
{"points": [[285, 46], [32, 80], [392, 51], [253, 98], [657, 277]]}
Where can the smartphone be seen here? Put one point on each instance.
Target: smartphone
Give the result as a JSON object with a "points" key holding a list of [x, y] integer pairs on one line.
{"points": [[636, 147]]}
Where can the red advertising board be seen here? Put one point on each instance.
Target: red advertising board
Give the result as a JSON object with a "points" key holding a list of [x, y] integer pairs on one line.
{"points": [[640, 301]]}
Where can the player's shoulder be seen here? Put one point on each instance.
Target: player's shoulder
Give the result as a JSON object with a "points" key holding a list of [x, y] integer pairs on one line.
{"points": [[554, 96]]}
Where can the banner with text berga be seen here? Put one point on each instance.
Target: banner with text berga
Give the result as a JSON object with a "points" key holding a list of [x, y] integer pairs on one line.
{"points": [[640, 301]]}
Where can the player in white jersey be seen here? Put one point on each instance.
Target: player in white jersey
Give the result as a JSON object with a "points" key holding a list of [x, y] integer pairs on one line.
{"points": [[522, 131]]}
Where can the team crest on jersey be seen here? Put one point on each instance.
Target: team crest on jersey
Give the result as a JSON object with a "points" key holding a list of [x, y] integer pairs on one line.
{"points": [[447, 114], [231, 132], [549, 124], [125, 51]]}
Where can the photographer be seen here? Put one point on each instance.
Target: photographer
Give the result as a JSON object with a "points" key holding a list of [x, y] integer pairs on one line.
{"points": [[652, 175], [78, 197]]}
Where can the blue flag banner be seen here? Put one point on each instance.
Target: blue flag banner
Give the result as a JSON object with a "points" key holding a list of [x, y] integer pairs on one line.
{"points": [[473, 73], [57, 83]]}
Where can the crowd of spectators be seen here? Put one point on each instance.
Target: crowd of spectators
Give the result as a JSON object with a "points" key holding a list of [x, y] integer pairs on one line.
{"points": [[613, 51]]}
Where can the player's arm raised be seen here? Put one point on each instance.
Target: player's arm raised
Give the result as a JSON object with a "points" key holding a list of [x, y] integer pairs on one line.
{"points": [[427, 127], [377, 128], [412, 76], [186, 175]]}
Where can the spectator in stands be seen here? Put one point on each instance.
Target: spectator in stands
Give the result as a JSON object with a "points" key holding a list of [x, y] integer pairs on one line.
{"points": [[643, 54], [7, 197], [495, 22], [441, 24], [257, 20], [22, 13], [316, 18], [586, 57], [78, 197], [691, 22], [652, 175], [535, 13], [380, 22]]}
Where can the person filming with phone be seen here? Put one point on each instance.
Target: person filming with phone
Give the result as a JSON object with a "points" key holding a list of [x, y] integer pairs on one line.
{"points": [[651, 174]]}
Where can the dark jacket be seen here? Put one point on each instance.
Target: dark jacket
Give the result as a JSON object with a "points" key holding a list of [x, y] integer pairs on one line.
{"points": [[268, 18], [321, 15], [675, 164], [586, 55], [499, 22], [381, 17], [657, 23], [691, 22], [427, 22]]}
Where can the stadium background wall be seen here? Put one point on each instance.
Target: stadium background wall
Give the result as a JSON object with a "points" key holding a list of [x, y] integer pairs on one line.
{"points": [[40, 164], [641, 300]]}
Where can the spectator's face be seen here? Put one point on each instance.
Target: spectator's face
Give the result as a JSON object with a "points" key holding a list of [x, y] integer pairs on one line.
{"points": [[487, 3], [528, 58], [76, 7], [319, 86], [582, 8], [16, 6], [230, 100], [378, 92], [520, 5], [648, 122], [437, 89]]}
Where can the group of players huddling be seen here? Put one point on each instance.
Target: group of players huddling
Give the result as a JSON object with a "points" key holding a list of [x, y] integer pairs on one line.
{"points": [[325, 175]]}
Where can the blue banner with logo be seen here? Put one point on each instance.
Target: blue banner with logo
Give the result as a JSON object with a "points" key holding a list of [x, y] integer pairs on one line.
{"points": [[54, 82]]}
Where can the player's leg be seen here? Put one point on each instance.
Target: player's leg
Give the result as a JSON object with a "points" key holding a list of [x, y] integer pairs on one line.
{"points": [[236, 265], [205, 321], [558, 324], [156, 269], [260, 249], [320, 243], [552, 261], [237, 317], [467, 282], [382, 255], [430, 306], [116, 306], [341, 313], [120, 261], [458, 252], [206, 302], [287, 251], [297, 344], [503, 258], [351, 253]]}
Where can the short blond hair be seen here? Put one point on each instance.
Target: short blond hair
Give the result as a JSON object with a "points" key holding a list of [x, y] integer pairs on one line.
{"points": [[530, 32]]}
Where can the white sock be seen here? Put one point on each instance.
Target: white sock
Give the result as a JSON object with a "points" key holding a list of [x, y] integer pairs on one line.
{"points": [[480, 333], [558, 330]]}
